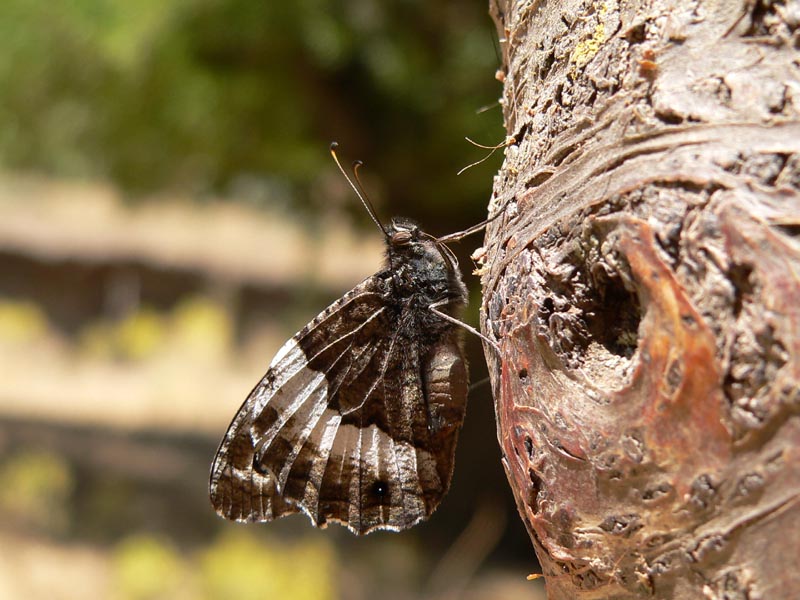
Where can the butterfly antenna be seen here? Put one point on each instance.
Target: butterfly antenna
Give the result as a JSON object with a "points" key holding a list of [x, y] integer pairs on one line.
{"points": [[359, 190], [356, 166]]}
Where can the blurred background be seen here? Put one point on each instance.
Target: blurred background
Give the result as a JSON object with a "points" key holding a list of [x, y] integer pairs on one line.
{"points": [[169, 215]]}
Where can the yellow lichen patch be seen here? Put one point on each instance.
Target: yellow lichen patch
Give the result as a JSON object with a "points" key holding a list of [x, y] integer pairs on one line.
{"points": [[587, 49]]}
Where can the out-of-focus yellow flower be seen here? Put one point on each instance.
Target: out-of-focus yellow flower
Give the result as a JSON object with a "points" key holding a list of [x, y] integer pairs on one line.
{"points": [[36, 490], [239, 566], [21, 322]]}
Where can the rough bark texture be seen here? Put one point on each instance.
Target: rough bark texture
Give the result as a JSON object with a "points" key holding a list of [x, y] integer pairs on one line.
{"points": [[643, 283]]}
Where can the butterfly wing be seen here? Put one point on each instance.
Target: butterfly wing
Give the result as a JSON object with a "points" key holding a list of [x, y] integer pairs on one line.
{"points": [[354, 422]]}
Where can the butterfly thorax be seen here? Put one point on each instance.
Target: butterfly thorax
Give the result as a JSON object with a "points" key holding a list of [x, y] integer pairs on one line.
{"points": [[423, 273]]}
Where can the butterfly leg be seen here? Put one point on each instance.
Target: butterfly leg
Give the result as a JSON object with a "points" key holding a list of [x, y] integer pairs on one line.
{"points": [[434, 308], [458, 235]]}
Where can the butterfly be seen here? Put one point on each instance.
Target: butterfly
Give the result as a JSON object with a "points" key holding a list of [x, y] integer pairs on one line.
{"points": [[357, 417]]}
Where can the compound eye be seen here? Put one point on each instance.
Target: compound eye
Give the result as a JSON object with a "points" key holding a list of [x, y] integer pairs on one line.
{"points": [[401, 237]]}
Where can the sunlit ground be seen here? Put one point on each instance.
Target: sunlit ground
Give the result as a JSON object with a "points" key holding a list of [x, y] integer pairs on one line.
{"points": [[128, 338]]}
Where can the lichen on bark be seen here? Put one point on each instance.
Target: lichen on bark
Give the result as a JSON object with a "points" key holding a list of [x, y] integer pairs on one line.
{"points": [[642, 283]]}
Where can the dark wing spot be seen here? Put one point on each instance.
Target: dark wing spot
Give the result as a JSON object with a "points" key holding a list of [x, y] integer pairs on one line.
{"points": [[380, 489]]}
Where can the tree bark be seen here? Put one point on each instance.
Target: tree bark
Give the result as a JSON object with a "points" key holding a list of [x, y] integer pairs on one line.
{"points": [[643, 284]]}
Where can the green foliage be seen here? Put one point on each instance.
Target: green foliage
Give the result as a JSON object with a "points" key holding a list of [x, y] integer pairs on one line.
{"points": [[233, 95]]}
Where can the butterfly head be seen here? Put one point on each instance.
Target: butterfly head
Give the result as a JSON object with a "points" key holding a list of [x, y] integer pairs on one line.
{"points": [[402, 232], [421, 254]]}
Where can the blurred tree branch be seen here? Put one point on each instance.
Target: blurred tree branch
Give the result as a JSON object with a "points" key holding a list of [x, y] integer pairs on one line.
{"points": [[643, 286]]}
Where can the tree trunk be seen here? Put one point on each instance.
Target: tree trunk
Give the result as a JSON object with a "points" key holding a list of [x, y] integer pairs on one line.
{"points": [[643, 284]]}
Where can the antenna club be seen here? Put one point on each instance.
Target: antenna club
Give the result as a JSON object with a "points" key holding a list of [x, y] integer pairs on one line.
{"points": [[334, 146], [357, 164]]}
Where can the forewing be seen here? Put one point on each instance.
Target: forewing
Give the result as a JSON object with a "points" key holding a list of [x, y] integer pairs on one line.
{"points": [[283, 410]]}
